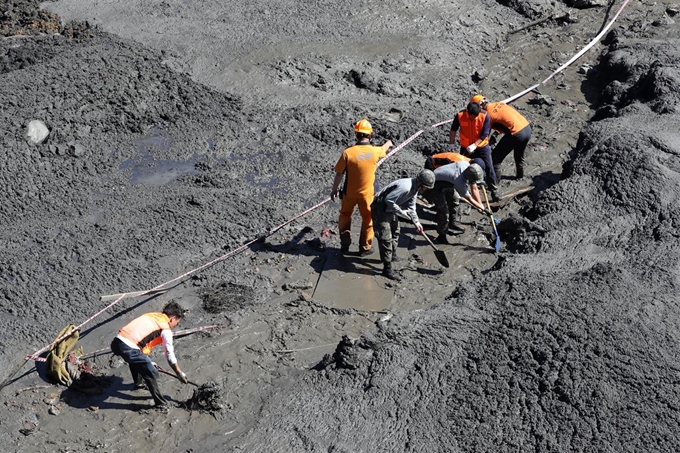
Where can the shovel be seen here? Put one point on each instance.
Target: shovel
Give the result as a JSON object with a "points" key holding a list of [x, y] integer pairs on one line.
{"points": [[173, 375], [493, 222], [439, 254]]}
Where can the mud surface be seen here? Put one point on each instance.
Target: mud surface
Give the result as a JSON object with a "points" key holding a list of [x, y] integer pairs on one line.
{"points": [[179, 131]]}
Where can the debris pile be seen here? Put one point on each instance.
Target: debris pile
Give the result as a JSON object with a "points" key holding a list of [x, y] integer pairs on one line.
{"points": [[227, 297], [208, 398]]}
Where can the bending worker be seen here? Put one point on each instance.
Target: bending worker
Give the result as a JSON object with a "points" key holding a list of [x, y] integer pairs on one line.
{"points": [[135, 341], [475, 127], [516, 132], [451, 183], [397, 199], [358, 163], [437, 160]]}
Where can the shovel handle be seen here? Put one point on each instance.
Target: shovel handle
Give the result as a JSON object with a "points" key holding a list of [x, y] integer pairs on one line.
{"points": [[174, 375]]}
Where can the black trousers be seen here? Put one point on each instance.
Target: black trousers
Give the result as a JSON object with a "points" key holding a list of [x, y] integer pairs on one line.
{"points": [[509, 143], [140, 366]]}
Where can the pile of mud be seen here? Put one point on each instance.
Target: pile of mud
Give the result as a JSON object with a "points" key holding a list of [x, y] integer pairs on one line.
{"points": [[208, 398]]}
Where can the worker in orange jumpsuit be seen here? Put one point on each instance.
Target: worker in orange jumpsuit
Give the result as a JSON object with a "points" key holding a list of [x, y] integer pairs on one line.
{"points": [[358, 164], [440, 159], [474, 128], [516, 132], [135, 341]]}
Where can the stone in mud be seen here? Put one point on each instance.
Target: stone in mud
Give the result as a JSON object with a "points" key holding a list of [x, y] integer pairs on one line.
{"points": [[37, 131]]}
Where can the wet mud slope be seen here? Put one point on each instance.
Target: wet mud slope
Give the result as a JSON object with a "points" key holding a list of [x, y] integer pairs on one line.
{"points": [[179, 131]]}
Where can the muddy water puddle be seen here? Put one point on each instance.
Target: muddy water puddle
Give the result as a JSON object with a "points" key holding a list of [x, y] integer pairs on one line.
{"points": [[148, 170]]}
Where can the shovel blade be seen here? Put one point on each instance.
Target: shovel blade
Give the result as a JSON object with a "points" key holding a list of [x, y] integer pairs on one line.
{"points": [[441, 257], [498, 243]]}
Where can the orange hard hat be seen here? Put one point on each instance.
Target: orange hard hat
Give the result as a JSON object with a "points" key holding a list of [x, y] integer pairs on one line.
{"points": [[363, 127], [479, 99]]}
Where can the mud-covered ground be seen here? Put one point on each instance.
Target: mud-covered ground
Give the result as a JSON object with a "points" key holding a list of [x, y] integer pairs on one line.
{"points": [[181, 130]]}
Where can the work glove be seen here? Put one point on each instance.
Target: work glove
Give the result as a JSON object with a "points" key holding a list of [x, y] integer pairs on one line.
{"points": [[470, 149], [155, 365], [183, 377], [419, 227], [334, 194], [486, 212]]}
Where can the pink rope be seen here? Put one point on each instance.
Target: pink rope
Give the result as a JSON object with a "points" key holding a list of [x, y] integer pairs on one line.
{"points": [[399, 147], [196, 329], [35, 355], [572, 59]]}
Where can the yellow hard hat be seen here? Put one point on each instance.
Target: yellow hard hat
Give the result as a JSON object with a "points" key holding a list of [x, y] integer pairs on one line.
{"points": [[479, 99], [363, 127]]}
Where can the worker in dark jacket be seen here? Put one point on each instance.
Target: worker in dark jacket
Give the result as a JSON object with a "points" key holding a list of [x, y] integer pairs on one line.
{"points": [[474, 128], [453, 181], [516, 132], [135, 341], [397, 199]]}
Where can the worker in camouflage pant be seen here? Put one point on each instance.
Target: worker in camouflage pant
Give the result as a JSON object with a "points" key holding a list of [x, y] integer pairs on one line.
{"points": [[397, 199]]}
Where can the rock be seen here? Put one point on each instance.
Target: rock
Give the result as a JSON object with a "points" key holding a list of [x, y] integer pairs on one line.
{"points": [[37, 131], [76, 150], [479, 75]]}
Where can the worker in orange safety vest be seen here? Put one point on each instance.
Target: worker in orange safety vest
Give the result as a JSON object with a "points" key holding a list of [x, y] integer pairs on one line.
{"points": [[440, 159], [516, 132], [473, 127], [135, 341]]}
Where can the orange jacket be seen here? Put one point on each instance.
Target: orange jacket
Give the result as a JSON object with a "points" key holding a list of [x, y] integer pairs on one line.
{"points": [[505, 119], [360, 162], [437, 160], [145, 331], [472, 128]]}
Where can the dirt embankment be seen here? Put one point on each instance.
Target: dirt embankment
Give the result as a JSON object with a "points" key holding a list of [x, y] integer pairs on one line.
{"points": [[565, 345]]}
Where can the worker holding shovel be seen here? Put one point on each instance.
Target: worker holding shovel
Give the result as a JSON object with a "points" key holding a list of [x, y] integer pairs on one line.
{"points": [[451, 184], [397, 199], [135, 341]]}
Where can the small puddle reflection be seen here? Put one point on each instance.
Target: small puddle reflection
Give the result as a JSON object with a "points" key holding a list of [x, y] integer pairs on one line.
{"points": [[157, 172], [146, 170]]}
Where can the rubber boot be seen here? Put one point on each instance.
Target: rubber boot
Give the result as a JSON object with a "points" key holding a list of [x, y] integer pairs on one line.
{"points": [[519, 171], [155, 390], [442, 239], [456, 228], [497, 169], [388, 272]]}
